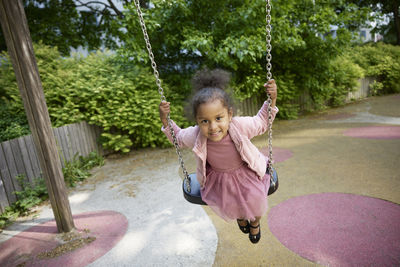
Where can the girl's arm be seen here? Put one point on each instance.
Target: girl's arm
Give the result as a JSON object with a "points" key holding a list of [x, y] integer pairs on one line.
{"points": [[257, 125], [185, 137]]}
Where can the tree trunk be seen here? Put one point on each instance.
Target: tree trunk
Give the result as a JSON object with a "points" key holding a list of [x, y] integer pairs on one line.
{"points": [[20, 48]]}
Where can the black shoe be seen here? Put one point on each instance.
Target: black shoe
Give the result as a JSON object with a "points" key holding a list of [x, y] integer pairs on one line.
{"points": [[245, 229], [255, 238]]}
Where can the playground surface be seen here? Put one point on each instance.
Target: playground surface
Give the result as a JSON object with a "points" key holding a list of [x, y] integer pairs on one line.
{"points": [[337, 203]]}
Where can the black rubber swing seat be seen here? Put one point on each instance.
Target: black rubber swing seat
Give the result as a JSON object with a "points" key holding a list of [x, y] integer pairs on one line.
{"points": [[194, 196]]}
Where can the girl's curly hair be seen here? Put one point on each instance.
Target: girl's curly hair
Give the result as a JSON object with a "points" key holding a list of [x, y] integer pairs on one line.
{"points": [[209, 85], [216, 78]]}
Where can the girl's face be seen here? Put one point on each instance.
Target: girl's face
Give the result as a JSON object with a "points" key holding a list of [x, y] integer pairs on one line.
{"points": [[213, 119]]}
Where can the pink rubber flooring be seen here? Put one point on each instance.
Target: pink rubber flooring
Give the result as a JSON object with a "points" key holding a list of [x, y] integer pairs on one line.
{"points": [[279, 154], [107, 226], [339, 229], [374, 132]]}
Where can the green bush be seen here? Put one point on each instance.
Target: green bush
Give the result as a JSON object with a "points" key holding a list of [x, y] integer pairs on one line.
{"points": [[381, 61], [12, 124], [287, 97], [101, 89], [121, 96], [29, 196], [344, 79], [124, 102], [78, 168]]}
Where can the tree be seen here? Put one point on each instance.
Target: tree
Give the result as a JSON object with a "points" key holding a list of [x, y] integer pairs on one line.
{"points": [[390, 9], [73, 23], [187, 35]]}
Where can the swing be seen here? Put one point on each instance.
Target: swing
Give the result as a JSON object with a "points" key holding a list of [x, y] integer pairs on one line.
{"points": [[190, 185]]}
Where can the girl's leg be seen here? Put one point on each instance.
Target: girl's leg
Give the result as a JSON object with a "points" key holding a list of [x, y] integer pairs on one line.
{"points": [[255, 223], [255, 230], [243, 225]]}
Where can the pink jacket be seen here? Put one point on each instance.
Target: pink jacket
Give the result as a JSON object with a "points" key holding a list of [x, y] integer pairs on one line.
{"points": [[241, 130]]}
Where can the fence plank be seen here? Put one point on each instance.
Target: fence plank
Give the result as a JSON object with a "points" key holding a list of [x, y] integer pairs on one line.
{"points": [[98, 132], [66, 143], [87, 139], [37, 171], [3, 196], [84, 140], [72, 140], [6, 176], [12, 168], [18, 158], [96, 138], [79, 143], [25, 158], [78, 139], [90, 137], [254, 106]]}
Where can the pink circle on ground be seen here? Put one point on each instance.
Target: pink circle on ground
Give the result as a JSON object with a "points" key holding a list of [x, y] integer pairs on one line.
{"points": [[108, 227], [337, 229], [279, 154], [374, 132]]}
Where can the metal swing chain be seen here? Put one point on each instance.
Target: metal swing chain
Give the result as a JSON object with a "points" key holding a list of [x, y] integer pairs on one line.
{"points": [[269, 76], [161, 92], [163, 98]]}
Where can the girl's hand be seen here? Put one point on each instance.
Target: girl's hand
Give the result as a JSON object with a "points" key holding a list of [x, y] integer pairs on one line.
{"points": [[164, 111], [271, 89]]}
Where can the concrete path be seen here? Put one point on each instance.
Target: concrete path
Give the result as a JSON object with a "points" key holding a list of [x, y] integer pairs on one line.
{"points": [[165, 230], [324, 160]]}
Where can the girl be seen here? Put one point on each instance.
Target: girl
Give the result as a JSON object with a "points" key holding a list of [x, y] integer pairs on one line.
{"points": [[230, 169]]}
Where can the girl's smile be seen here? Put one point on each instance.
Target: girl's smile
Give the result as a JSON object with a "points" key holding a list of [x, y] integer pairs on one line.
{"points": [[213, 119]]}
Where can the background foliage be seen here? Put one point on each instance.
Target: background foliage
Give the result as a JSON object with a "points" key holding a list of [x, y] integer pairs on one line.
{"points": [[117, 90], [187, 35], [380, 61], [101, 89]]}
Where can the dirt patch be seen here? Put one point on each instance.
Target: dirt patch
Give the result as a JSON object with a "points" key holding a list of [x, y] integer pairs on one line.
{"points": [[128, 187], [70, 241]]}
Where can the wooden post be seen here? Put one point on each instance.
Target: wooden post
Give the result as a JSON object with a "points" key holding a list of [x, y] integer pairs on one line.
{"points": [[20, 48]]}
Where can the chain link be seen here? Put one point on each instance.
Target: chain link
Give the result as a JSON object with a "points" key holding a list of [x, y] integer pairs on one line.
{"points": [[269, 76], [161, 92]]}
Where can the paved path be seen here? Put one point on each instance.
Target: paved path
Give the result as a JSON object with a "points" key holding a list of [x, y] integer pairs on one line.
{"points": [[164, 230], [324, 160]]}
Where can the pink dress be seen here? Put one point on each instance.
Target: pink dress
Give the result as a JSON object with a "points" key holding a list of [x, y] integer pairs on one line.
{"points": [[232, 189]]}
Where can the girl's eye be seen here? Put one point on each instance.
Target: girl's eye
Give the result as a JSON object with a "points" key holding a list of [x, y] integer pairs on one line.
{"points": [[204, 121], [219, 118]]}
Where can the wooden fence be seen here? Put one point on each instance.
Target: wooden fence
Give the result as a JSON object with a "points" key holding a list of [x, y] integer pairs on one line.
{"points": [[250, 106], [363, 91], [18, 156]]}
